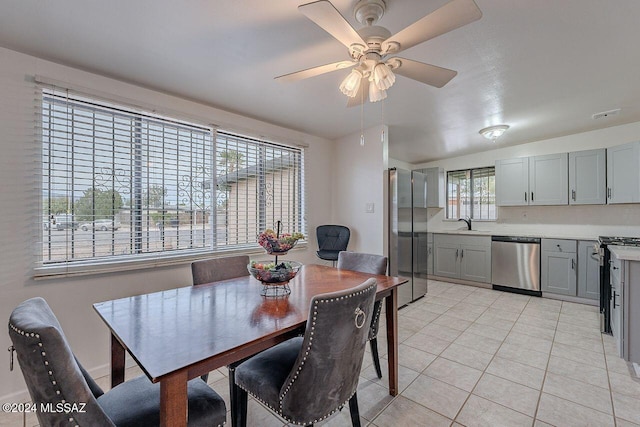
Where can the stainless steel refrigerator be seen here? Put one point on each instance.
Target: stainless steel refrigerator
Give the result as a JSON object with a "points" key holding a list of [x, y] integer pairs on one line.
{"points": [[407, 213]]}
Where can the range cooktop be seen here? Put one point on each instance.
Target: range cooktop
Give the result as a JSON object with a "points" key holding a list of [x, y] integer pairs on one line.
{"points": [[619, 241]]}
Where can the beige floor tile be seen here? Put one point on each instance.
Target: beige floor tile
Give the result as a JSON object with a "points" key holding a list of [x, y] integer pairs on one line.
{"points": [[434, 308], [526, 319], [412, 358], [488, 331], [222, 388], [534, 331], [452, 322], [405, 375], [529, 342], [561, 412], [479, 412], [578, 371], [436, 395], [572, 307], [525, 356], [585, 331], [453, 373], [467, 356], [427, 343], [372, 399], [509, 304], [624, 423], [493, 320], [579, 341], [507, 393], [407, 413], [617, 364], [624, 384], [590, 320], [447, 302], [463, 314], [516, 372], [578, 355], [440, 331], [539, 423], [484, 300], [416, 318], [500, 313], [627, 407], [477, 342], [542, 314], [594, 397], [258, 415]]}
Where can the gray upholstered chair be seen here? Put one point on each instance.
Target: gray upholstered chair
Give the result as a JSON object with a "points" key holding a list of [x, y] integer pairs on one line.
{"points": [[306, 379], [215, 269], [331, 240], [373, 264], [53, 375]]}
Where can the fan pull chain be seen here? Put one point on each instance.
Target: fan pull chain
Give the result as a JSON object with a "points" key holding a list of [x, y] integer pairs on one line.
{"points": [[362, 116]]}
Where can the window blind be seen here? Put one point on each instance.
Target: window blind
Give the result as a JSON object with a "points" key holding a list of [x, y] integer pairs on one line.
{"points": [[120, 185]]}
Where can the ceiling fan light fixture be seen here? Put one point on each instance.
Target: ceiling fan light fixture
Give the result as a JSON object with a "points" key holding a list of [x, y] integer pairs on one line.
{"points": [[376, 94], [493, 132], [351, 83], [383, 77]]}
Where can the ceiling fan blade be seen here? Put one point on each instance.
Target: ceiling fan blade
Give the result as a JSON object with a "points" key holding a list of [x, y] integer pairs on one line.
{"points": [[316, 71], [452, 15], [361, 96], [327, 17], [425, 73]]}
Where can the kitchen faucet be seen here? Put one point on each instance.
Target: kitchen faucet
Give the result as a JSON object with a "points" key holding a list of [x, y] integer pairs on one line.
{"points": [[468, 221]]}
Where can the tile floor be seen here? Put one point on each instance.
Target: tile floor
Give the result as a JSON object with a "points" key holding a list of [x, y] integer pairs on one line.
{"points": [[476, 357]]}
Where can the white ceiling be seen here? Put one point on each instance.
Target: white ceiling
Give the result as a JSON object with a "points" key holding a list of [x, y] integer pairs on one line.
{"points": [[541, 66]]}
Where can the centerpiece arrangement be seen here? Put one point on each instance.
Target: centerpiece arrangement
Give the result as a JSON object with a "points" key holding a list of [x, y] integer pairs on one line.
{"points": [[275, 275]]}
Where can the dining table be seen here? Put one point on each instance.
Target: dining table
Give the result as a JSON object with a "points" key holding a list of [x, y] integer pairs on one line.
{"points": [[179, 334]]}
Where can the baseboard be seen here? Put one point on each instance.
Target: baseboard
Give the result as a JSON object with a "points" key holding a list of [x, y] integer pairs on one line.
{"points": [[568, 298], [459, 282]]}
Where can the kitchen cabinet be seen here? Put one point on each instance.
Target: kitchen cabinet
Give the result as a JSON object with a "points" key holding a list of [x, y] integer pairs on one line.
{"points": [[537, 180], [623, 173], [462, 257], [588, 270], [625, 302], [435, 187], [588, 177], [558, 267]]}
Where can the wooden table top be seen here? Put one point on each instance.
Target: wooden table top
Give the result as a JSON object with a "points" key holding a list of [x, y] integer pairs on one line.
{"points": [[170, 330]]}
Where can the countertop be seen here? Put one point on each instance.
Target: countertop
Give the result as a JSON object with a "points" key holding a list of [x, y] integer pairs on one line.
{"points": [[511, 233], [626, 253]]}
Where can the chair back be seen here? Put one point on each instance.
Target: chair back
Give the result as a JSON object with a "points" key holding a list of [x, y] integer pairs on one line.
{"points": [[215, 269], [364, 263], [325, 374], [331, 240], [51, 371]]}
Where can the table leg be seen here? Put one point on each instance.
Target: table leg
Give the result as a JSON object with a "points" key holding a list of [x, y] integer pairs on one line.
{"points": [[391, 309], [117, 362], [173, 400]]}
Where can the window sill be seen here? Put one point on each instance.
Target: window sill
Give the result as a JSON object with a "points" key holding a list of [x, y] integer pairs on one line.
{"points": [[88, 268]]}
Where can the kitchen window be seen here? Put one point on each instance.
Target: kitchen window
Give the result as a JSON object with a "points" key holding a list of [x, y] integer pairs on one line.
{"points": [[471, 193], [122, 185]]}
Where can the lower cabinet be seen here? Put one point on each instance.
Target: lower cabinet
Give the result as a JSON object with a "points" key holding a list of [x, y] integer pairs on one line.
{"points": [[570, 267], [462, 257]]}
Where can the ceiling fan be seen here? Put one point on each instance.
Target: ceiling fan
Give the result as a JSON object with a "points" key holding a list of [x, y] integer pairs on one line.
{"points": [[373, 72]]}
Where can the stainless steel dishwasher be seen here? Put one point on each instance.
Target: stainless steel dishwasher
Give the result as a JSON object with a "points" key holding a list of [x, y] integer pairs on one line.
{"points": [[515, 264]]}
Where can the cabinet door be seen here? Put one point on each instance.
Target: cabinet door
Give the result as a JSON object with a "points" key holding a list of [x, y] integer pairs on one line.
{"points": [[435, 187], [549, 179], [623, 176], [475, 263], [445, 260], [587, 177], [588, 270], [559, 272], [512, 182], [429, 259]]}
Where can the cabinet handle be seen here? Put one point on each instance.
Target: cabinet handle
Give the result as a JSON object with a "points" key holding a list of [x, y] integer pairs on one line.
{"points": [[615, 294], [457, 253], [462, 253], [532, 196], [573, 195], [609, 192], [615, 268], [525, 196], [573, 264]]}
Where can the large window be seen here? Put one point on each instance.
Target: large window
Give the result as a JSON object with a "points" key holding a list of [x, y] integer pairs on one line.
{"points": [[119, 184], [471, 193]]}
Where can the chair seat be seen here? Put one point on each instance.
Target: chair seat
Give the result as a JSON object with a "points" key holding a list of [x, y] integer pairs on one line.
{"points": [[264, 374], [328, 255], [136, 403]]}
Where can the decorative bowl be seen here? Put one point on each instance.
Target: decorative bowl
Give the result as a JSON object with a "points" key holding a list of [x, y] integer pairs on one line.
{"points": [[269, 272]]}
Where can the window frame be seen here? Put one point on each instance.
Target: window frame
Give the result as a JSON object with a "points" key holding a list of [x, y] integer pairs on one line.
{"points": [[471, 172], [93, 265]]}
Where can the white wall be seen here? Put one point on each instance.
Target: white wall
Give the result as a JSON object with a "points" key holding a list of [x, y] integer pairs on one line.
{"points": [[358, 174], [561, 221], [71, 299]]}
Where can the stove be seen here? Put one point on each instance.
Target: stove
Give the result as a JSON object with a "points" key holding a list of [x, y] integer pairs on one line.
{"points": [[605, 280]]}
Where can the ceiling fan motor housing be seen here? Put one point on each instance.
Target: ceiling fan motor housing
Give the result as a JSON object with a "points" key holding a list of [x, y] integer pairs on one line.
{"points": [[368, 12]]}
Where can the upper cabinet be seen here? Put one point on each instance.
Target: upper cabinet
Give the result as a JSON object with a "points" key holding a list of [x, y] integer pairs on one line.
{"points": [[435, 187], [538, 180], [587, 177], [623, 173]]}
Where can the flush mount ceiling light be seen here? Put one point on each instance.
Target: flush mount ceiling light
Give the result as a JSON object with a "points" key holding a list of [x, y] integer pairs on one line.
{"points": [[493, 132]]}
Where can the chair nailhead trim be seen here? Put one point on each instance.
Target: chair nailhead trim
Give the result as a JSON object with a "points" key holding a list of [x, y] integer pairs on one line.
{"points": [[43, 354]]}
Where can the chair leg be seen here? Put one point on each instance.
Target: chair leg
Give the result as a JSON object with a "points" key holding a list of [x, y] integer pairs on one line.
{"points": [[376, 359], [238, 399], [353, 410], [205, 377]]}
